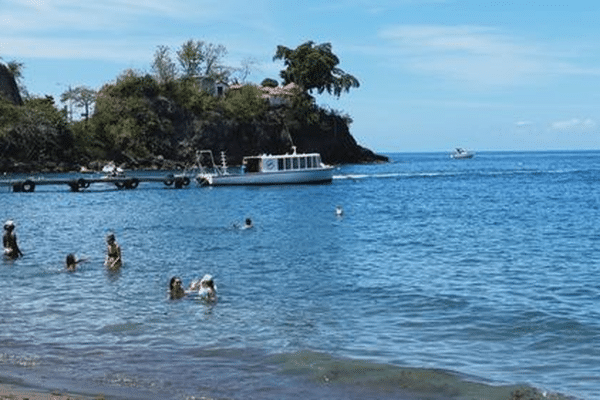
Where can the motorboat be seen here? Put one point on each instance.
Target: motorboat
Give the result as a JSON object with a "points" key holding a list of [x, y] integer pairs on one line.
{"points": [[460, 153], [266, 169]]}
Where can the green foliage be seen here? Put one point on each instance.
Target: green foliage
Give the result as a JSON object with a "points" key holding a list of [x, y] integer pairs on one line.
{"points": [[35, 131], [163, 66], [244, 104], [269, 82], [132, 84], [314, 68]]}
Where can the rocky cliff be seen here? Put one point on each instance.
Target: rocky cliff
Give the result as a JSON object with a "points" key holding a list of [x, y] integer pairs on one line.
{"points": [[8, 87]]}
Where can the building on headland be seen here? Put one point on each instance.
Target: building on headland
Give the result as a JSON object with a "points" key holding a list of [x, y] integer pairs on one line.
{"points": [[276, 96]]}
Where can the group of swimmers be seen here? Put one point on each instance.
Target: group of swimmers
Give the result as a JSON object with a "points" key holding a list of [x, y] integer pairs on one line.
{"points": [[12, 251], [205, 287]]}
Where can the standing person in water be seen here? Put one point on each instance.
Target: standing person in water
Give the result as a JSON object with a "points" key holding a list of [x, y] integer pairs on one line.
{"points": [[113, 253], [9, 240]]}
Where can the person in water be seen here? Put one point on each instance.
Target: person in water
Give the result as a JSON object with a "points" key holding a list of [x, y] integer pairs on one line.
{"points": [[113, 253], [248, 223], [9, 240], [176, 288], [207, 288], [71, 262]]}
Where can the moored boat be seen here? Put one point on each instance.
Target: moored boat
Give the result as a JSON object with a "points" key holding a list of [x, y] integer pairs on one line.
{"points": [[267, 169]]}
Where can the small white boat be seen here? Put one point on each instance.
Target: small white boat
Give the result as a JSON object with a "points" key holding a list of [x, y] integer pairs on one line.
{"points": [[460, 153], [267, 169]]}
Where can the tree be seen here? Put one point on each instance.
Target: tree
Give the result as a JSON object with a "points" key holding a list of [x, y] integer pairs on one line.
{"points": [[80, 96], [200, 59], [269, 82], [190, 56], [314, 68], [163, 66]]}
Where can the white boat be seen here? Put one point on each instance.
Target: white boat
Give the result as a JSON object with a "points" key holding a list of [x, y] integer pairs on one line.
{"points": [[267, 169], [460, 153]]}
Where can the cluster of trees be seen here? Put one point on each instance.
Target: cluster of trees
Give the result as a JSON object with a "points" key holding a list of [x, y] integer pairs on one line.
{"points": [[143, 113]]}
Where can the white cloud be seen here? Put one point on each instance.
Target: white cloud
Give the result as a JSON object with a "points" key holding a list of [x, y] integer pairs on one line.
{"points": [[476, 55], [574, 124]]}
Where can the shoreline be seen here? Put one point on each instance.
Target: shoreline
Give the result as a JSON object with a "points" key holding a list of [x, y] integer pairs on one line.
{"points": [[14, 392]]}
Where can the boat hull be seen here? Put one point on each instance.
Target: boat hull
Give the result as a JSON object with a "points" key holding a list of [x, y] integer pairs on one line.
{"points": [[308, 176]]}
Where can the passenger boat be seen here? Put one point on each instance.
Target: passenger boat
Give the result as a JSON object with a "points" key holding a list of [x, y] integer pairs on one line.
{"points": [[267, 169], [460, 153]]}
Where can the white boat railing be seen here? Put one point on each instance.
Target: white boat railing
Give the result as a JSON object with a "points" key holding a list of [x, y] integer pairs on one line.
{"points": [[213, 168]]}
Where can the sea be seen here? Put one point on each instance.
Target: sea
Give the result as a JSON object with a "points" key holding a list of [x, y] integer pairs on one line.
{"points": [[442, 279]]}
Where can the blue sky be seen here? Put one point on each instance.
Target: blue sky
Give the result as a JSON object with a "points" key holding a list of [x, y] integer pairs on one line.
{"points": [[434, 74]]}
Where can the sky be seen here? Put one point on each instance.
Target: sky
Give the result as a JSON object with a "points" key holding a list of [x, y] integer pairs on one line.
{"points": [[434, 74]]}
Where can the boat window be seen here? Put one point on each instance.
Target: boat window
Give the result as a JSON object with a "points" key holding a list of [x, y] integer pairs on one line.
{"points": [[303, 162], [280, 164], [316, 162], [295, 163], [309, 162], [252, 164], [288, 163]]}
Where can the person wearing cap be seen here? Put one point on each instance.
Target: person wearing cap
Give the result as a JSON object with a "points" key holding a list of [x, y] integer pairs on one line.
{"points": [[113, 253], [208, 290], [9, 240]]}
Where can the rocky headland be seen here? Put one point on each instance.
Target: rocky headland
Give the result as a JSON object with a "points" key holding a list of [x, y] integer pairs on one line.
{"points": [[138, 124]]}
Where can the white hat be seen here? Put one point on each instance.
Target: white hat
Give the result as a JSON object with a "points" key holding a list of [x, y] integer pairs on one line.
{"points": [[206, 278], [9, 224]]}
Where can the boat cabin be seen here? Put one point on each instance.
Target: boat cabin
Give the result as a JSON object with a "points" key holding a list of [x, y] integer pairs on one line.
{"points": [[287, 162]]}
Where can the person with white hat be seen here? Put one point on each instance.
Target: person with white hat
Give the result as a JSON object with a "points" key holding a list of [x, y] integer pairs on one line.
{"points": [[206, 287], [9, 240]]}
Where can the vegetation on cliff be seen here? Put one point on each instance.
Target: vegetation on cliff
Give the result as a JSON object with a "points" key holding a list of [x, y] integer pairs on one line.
{"points": [[160, 119]]}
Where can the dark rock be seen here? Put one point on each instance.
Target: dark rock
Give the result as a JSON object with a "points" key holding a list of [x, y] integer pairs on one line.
{"points": [[8, 86]]}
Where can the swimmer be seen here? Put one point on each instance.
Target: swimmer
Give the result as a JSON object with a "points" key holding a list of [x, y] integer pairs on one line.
{"points": [[71, 262], [247, 224], [9, 240], [206, 288], [176, 288], [339, 211], [113, 253]]}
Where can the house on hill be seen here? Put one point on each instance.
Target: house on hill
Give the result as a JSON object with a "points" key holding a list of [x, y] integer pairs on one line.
{"points": [[276, 96]]}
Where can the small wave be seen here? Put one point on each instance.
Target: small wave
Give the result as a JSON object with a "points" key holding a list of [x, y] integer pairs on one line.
{"points": [[400, 382]]}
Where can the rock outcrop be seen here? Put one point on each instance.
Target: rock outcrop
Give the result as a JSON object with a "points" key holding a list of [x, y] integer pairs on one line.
{"points": [[8, 86]]}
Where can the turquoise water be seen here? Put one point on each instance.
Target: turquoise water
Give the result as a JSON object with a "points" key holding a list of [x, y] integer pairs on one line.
{"points": [[443, 279]]}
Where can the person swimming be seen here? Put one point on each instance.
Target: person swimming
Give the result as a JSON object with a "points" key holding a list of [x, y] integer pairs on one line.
{"points": [[9, 240], [206, 287], [247, 223], [176, 288], [113, 253], [71, 262]]}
